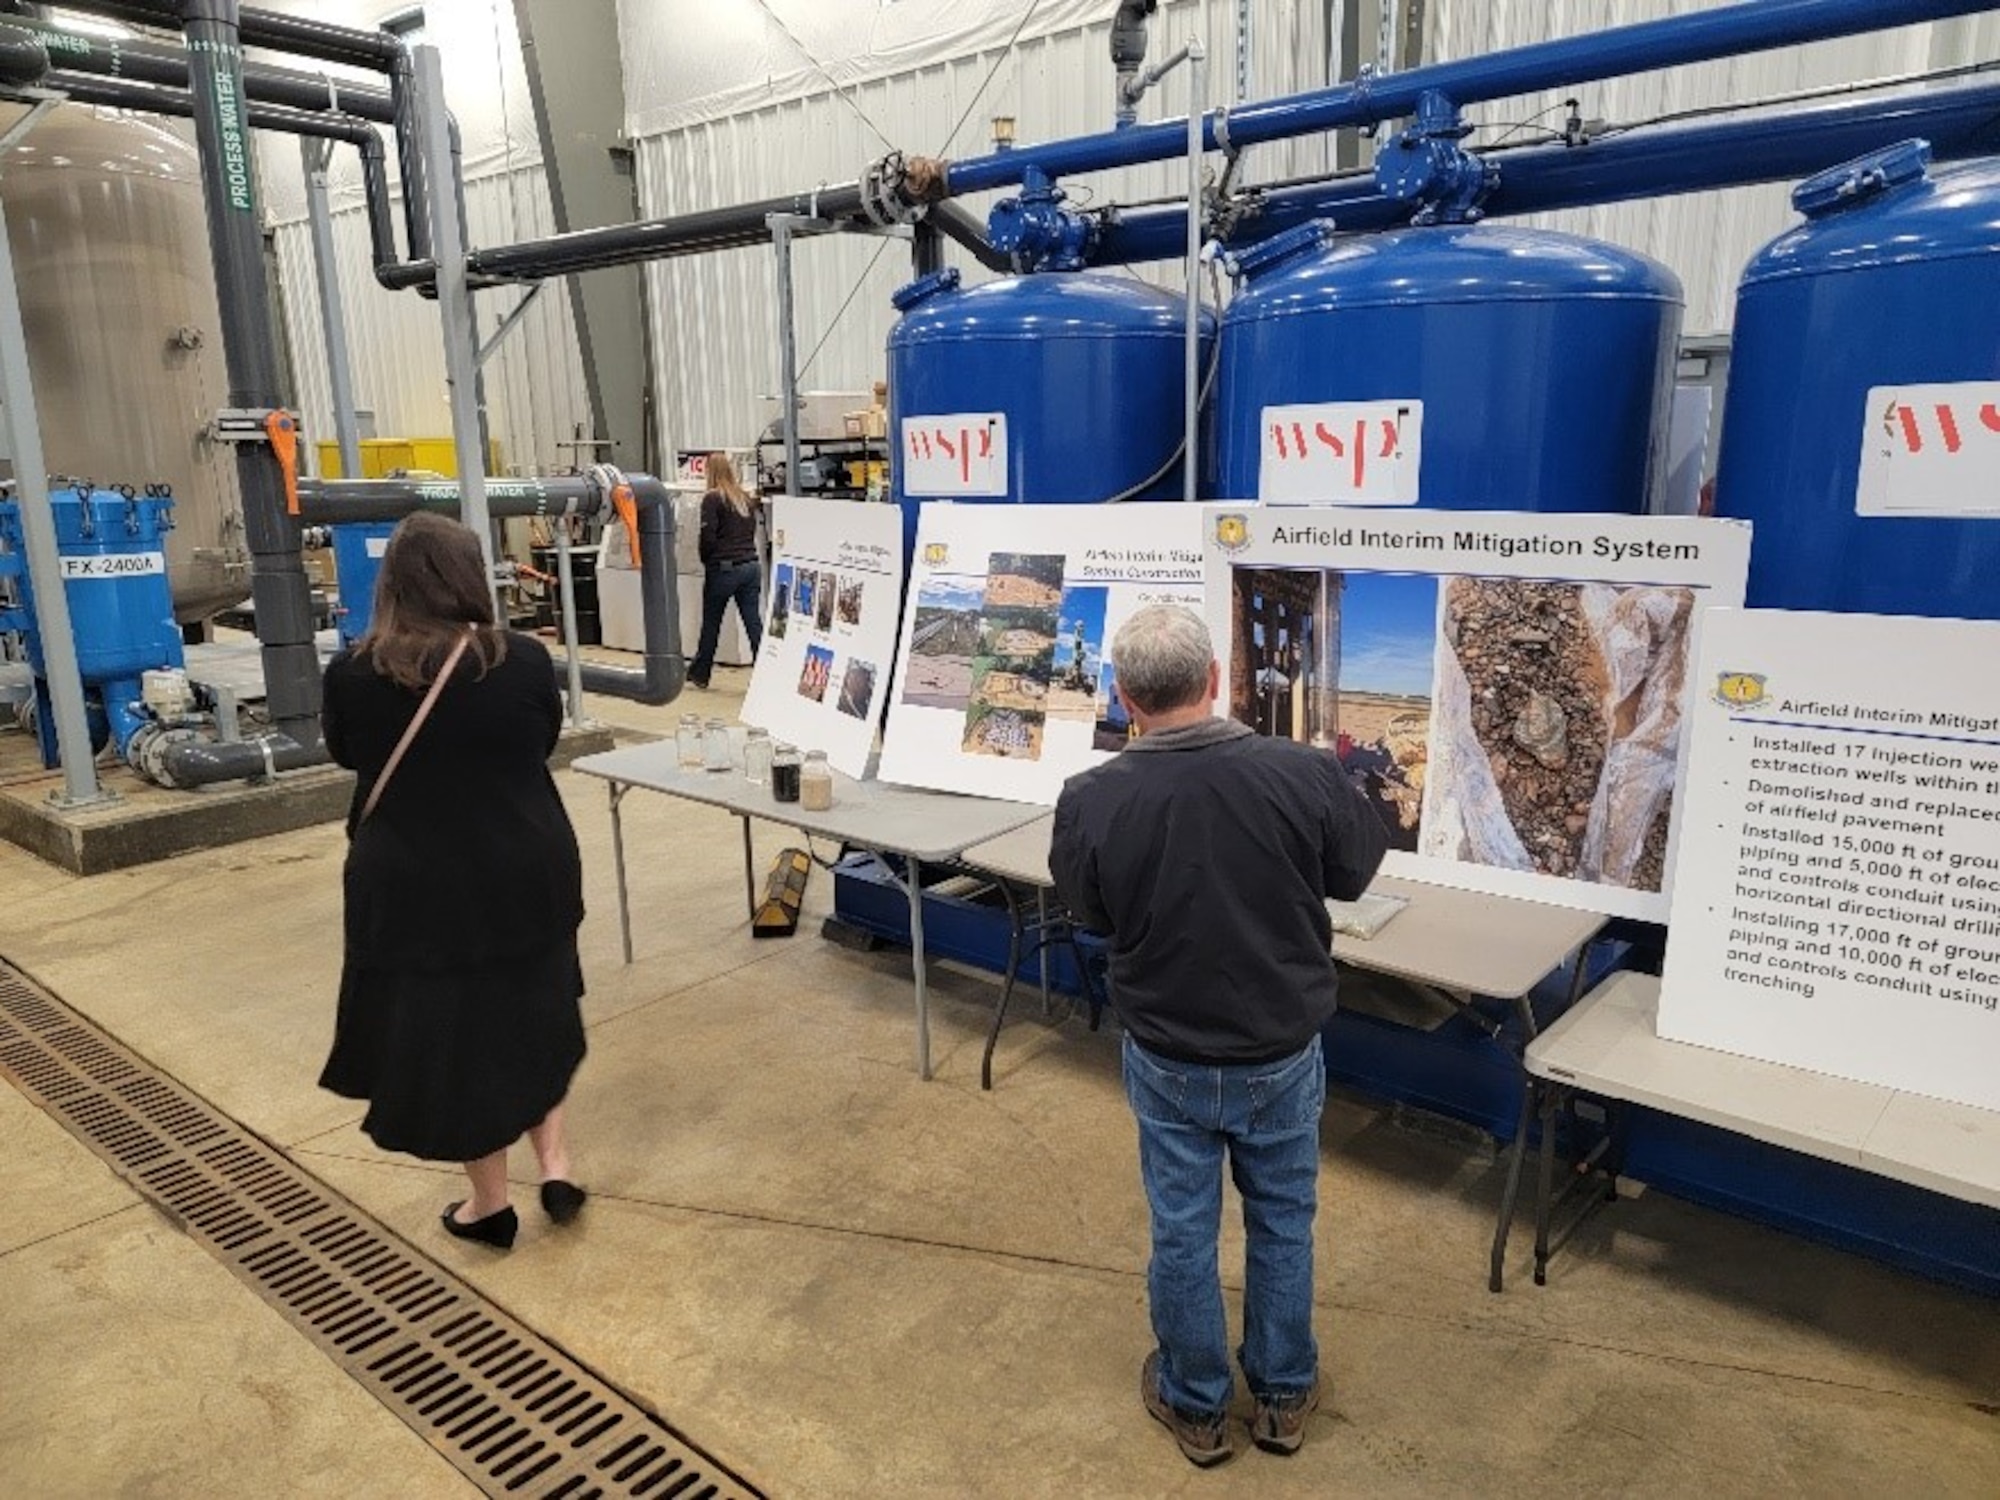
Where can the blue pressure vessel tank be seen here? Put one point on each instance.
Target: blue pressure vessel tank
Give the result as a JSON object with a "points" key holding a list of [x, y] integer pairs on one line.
{"points": [[1541, 366], [358, 547], [1861, 433], [1086, 371]]}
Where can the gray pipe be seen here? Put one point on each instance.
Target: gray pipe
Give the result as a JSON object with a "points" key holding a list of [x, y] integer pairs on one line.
{"points": [[23, 58], [957, 224], [190, 763], [664, 669], [1128, 52]]}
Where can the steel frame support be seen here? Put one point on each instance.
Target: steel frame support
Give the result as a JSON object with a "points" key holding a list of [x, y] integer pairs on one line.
{"points": [[314, 156], [38, 530]]}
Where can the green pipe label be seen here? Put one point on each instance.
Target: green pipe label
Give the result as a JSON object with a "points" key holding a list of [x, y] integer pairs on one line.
{"points": [[229, 123]]}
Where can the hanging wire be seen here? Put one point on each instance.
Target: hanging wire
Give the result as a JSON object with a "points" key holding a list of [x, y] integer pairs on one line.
{"points": [[1005, 53], [860, 282], [819, 68]]}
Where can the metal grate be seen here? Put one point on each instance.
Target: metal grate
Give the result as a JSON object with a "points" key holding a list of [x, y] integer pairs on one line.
{"points": [[516, 1415]]}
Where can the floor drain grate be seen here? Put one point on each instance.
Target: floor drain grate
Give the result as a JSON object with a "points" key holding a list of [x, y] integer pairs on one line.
{"points": [[516, 1415]]}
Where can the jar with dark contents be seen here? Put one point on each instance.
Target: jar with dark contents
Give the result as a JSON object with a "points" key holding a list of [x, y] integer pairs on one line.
{"points": [[785, 773]]}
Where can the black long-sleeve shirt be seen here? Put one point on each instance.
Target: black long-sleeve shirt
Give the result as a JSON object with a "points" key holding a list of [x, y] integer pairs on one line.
{"points": [[727, 534], [1207, 855]]}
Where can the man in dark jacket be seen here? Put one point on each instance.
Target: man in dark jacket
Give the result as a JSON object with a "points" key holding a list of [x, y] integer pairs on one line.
{"points": [[1207, 854]]}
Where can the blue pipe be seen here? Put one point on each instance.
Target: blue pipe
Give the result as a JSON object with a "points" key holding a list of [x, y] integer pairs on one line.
{"points": [[1655, 163], [1757, 26]]}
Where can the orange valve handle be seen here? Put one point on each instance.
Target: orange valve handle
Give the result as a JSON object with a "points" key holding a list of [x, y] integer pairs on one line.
{"points": [[283, 434], [627, 505]]}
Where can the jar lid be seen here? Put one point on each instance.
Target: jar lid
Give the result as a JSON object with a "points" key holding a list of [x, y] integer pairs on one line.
{"points": [[815, 755], [758, 734], [718, 724]]}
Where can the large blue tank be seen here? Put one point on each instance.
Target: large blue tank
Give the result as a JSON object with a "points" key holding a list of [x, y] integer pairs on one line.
{"points": [[1892, 282], [1544, 362], [1088, 371], [112, 546], [358, 548]]}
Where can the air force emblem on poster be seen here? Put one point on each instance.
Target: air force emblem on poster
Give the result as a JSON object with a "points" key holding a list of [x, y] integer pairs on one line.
{"points": [[1232, 532], [1740, 690], [936, 554]]}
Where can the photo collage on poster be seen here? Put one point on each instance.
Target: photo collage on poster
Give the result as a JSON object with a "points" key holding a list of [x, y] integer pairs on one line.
{"points": [[1504, 721], [830, 626], [1007, 651]]}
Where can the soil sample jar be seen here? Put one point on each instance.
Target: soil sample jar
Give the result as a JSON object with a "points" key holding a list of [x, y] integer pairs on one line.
{"points": [[715, 746], [687, 742], [757, 756], [785, 773], [816, 782]]}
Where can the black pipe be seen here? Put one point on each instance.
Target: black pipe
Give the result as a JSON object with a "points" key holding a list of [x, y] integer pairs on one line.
{"points": [[23, 58], [658, 239], [664, 670], [958, 224], [278, 588], [85, 89]]}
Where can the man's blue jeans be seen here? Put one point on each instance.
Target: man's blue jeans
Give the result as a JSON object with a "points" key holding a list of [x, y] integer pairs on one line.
{"points": [[1265, 1119]]}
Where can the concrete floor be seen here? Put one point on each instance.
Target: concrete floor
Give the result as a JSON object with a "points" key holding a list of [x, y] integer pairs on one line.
{"points": [[844, 1282]]}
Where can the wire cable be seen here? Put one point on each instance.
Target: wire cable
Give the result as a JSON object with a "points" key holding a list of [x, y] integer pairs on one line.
{"points": [[860, 282], [820, 68], [1005, 52]]}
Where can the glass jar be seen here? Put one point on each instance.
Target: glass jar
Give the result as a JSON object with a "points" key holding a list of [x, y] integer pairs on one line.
{"points": [[687, 742], [715, 745], [757, 756], [785, 773], [816, 782]]}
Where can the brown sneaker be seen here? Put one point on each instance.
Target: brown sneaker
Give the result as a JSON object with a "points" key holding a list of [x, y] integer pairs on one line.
{"points": [[1204, 1441], [1280, 1426]]}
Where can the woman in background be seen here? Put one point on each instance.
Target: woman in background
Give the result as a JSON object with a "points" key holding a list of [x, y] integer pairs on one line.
{"points": [[729, 563], [459, 1021]]}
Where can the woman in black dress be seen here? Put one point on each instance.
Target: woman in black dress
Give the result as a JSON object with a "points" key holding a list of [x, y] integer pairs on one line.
{"points": [[458, 1021]]}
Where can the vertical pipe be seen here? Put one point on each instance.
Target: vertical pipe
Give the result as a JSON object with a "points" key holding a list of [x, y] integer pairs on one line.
{"points": [[565, 577], [279, 592], [788, 352], [315, 155], [1191, 427], [454, 299], [38, 532]]}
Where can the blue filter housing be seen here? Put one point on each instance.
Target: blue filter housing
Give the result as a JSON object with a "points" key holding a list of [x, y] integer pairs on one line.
{"points": [[358, 547], [1088, 371], [112, 545], [1544, 362], [1891, 283]]}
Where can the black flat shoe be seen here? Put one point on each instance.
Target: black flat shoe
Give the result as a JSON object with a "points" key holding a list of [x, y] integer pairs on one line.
{"points": [[562, 1201], [497, 1230]]}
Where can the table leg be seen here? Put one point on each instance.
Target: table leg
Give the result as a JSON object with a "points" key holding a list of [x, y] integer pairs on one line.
{"points": [[1576, 980], [913, 879], [1545, 1184], [1007, 987], [749, 868], [1510, 1196], [1042, 945], [618, 856]]}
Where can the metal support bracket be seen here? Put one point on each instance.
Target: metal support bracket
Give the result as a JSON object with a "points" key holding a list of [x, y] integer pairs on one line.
{"points": [[508, 324]]}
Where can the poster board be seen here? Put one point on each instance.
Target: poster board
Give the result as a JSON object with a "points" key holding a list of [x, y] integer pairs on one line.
{"points": [[1003, 679], [829, 626], [1505, 688], [1839, 902]]}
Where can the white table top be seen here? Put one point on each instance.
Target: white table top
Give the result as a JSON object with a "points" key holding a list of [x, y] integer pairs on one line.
{"points": [[869, 814], [1456, 940], [1609, 1044]]}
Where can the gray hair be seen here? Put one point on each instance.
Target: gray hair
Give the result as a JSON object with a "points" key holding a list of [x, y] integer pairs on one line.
{"points": [[1161, 658]]}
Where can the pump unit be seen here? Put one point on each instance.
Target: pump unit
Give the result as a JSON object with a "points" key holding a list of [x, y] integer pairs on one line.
{"points": [[112, 545], [1057, 387], [1517, 370], [1861, 433]]}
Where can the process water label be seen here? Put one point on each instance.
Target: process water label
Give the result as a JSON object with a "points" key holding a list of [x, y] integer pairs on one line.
{"points": [[115, 565], [1931, 450], [1341, 453]]}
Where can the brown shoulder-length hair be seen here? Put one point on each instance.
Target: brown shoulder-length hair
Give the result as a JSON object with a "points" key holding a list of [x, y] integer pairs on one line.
{"points": [[431, 587], [721, 476]]}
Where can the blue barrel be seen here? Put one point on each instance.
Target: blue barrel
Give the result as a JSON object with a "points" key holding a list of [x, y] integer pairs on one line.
{"points": [[121, 606], [1544, 364], [1087, 370], [1891, 283], [357, 559]]}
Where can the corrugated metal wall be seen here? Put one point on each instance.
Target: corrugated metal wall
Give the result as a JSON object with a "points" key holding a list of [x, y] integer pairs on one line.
{"points": [[1706, 238], [714, 326], [535, 391]]}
